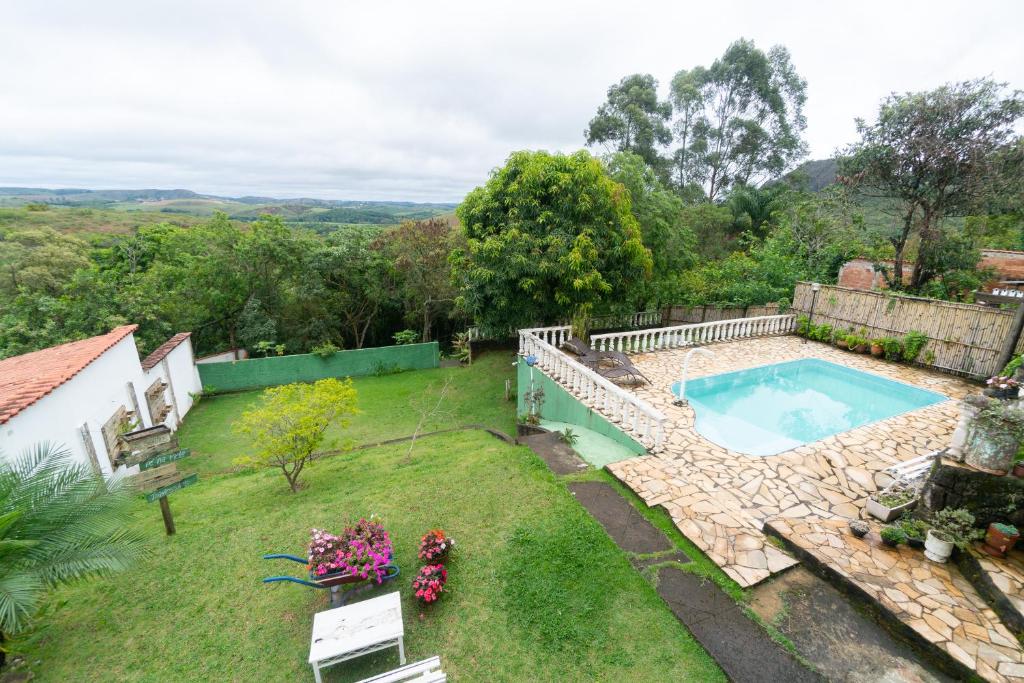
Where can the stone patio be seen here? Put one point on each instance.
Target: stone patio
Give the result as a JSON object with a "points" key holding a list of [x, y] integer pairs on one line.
{"points": [[721, 499]]}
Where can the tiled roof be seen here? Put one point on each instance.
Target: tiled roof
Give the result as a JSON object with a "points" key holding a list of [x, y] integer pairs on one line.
{"points": [[27, 378], [160, 352]]}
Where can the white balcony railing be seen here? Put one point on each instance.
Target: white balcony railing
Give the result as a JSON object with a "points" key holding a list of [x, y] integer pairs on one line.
{"points": [[632, 415], [640, 341]]}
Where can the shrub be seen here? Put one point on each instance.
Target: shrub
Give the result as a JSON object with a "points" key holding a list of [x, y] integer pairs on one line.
{"points": [[429, 583], [435, 545], [1012, 366], [803, 325], [913, 342], [363, 549], [568, 436], [325, 350], [406, 337], [460, 347]]}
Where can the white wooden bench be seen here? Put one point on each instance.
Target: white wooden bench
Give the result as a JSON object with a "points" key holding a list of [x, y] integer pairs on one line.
{"points": [[908, 472], [426, 671]]}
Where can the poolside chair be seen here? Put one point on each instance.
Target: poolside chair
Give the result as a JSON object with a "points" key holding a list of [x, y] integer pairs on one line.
{"points": [[621, 365]]}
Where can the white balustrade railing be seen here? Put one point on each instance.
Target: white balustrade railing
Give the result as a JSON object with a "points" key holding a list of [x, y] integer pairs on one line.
{"points": [[555, 336], [640, 341], [629, 412], [638, 319]]}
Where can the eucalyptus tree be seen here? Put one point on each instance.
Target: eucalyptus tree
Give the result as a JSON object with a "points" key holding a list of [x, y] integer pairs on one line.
{"points": [[739, 121], [633, 119]]}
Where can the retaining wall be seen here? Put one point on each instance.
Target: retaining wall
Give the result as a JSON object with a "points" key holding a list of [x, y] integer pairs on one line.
{"points": [[561, 406]]}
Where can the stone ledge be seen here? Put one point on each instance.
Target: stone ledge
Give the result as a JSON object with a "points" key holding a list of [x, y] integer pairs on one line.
{"points": [[978, 571], [890, 620]]}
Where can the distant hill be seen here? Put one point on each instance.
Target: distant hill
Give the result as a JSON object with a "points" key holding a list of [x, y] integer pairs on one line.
{"points": [[324, 214], [814, 175]]}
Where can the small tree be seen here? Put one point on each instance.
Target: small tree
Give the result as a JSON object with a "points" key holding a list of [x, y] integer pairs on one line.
{"points": [[288, 425]]}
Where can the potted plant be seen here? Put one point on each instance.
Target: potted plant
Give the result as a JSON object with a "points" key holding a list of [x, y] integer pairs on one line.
{"points": [[999, 539], [362, 551], [841, 341], [877, 349], [892, 536], [951, 528], [862, 345], [915, 531], [893, 348], [1018, 469], [1001, 387], [888, 504], [994, 437], [429, 583], [859, 528], [435, 546]]}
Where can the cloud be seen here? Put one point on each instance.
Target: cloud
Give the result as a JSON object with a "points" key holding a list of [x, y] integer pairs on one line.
{"points": [[398, 100]]}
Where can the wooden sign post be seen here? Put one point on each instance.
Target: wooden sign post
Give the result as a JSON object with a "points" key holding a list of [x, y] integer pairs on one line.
{"points": [[159, 477]]}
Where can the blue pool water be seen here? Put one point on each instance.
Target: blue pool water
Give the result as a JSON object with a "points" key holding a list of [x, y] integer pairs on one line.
{"points": [[771, 409]]}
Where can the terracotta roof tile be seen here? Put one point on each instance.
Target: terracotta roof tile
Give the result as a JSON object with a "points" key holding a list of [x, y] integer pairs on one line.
{"points": [[27, 378], [160, 352]]}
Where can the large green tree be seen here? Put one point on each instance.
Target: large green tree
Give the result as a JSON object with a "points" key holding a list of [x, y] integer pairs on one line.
{"points": [[660, 213], [739, 121], [935, 154], [633, 119], [548, 237]]}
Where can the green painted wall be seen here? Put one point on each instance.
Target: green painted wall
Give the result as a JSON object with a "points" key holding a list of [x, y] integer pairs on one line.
{"points": [[256, 373], [561, 406]]}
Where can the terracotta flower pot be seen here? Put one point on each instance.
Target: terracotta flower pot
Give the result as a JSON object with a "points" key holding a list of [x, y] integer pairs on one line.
{"points": [[877, 350], [841, 343], [862, 348], [998, 543], [1018, 470]]}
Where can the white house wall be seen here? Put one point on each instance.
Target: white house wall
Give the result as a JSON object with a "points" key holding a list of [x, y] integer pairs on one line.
{"points": [[91, 397], [178, 371]]}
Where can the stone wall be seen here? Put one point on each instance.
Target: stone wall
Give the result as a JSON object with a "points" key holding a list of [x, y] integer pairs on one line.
{"points": [[986, 496]]}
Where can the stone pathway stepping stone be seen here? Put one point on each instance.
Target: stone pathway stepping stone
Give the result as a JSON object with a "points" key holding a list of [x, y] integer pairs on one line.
{"points": [[559, 456], [740, 646], [628, 528]]}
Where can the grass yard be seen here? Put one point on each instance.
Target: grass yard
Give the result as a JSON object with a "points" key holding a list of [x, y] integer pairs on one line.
{"points": [[537, 589], [388, 404]]}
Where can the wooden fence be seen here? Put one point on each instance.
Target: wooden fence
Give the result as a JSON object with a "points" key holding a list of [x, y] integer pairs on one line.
{"points": [[674, 315], [964, 339]]}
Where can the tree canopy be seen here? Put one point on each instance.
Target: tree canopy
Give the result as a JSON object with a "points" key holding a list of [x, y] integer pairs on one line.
{"points": [[549, 236], [633, 119], [935, 154]]}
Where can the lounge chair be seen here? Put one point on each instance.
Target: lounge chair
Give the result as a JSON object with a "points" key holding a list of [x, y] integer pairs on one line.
{"points": [[622, 366]]}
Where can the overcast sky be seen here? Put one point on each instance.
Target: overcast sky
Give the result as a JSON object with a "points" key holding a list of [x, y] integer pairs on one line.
{"points": [[418, 101]]}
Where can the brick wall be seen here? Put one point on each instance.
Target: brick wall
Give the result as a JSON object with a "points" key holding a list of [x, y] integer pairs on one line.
{"points": [[1009, 264], [860, 273]]}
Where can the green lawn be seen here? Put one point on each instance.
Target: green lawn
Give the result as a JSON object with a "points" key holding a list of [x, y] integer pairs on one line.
{"points": [[538, 590], [388, 406]]}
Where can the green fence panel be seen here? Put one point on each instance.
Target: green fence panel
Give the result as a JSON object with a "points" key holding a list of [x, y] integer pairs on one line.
{"points": [[561, 406], [256, 373]]}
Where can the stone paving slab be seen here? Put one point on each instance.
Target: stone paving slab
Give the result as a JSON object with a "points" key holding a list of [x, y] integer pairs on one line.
{"points": [[937, 604], [720, 499], [1003, 583], [559, 456], [740, 646], [628, 528]]}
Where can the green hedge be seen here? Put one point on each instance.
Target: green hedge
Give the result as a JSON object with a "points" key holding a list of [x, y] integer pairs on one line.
{"points": [[256, 373]]}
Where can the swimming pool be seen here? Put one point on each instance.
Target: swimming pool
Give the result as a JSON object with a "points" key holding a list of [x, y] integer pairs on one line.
{"points": [[773, 408]]}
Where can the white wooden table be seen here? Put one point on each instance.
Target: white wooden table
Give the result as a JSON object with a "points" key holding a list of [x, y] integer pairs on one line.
{"points": [[355, 630]]}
